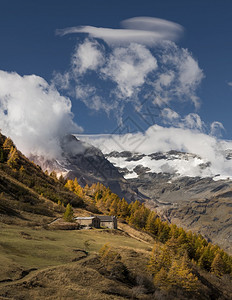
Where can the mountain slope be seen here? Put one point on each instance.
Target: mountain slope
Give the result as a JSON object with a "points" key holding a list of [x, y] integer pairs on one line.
{"points": [[89, 165], [164, 181], [50, 264], [201, 204], [25, 190], [182, 187]]}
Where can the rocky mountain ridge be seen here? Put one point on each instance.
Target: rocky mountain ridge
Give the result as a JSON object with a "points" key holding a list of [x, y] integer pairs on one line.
{"points": [[172, 162], [161, 180]]}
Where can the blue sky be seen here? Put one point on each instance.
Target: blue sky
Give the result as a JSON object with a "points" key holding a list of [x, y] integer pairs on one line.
{"points": [[30, 45]]}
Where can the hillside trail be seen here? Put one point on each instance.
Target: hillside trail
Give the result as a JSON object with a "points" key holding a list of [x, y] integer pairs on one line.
{"points": [[34, 272]]}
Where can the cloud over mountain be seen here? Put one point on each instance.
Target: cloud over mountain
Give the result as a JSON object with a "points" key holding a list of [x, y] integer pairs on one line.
{"points": [[162, 139], [34, 114]]}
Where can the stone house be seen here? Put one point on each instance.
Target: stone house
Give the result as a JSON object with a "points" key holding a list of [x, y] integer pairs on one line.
{"points": [[88, 221], [108, 221], [98, 221]]}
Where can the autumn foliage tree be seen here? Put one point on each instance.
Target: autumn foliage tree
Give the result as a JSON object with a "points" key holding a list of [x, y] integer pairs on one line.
{"points": [[175, 239]]}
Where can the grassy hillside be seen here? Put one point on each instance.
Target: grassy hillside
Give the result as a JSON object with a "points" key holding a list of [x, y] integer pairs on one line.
{"points": [[145, 259], [45, 264], [26, 192]]}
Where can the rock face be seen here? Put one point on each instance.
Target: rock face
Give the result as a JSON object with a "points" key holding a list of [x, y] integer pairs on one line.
{"points": [[202, 204], [198, 204], [168, 182], [87, 163]]}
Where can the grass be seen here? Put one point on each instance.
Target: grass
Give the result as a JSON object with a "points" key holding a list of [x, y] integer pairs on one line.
{"points": [[39, 248], [63, 273], [58, 275]]}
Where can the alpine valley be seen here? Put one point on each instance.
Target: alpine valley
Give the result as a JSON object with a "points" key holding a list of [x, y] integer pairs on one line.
{"points": [[46, 254], [182, 187]]}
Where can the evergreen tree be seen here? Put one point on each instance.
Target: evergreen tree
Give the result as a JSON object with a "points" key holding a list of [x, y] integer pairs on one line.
{"points": [[78, 189], [8, 144], [150, 224], [206, 258], [123, 209], [61, 179], [53, 175], [70, 185], [217, 266], [13, 158], [180, 275], [114, 208], [161, 279], [164, 231], [160, 258], [1, 156], [68, 215]]}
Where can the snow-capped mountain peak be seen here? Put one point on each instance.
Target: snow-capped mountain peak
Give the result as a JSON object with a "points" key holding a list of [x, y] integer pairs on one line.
{"points": [[172, 162]]}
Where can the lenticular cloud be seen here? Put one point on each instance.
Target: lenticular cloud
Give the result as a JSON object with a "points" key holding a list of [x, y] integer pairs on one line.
{"points": [[34, 114], [143, 30]]}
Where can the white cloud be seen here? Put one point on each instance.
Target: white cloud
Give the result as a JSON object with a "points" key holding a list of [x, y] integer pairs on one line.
{"points": [[181, 74], [158, 138], [229, 83], [192, 121], [118, 75], [61, 80], [34, 114], [131, 74], [129, 71], [169, 115], [128, 68], [87, 56], [169, 30], [87, 94], [216, 129], [164, 80], [142, 30]]}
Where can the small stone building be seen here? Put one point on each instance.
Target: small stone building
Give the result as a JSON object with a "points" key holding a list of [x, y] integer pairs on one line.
{"points": [[108, 221], [89, 221], [98, 221]]}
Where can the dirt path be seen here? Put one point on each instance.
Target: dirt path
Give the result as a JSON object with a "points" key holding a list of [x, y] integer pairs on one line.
{"points": [[25, 275], [29, 274]]}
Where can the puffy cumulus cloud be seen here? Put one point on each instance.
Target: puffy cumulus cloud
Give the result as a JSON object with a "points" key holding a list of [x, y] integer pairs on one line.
{"points": [[162, 139], [169, 115], [216, 129], [87, 56], [142, 30], [114, 78], [61, 80], [156, 138], [141, 63], [179, 75], [130, 74], [128, 68], [34, 114], [88, 95], [192, 121]]}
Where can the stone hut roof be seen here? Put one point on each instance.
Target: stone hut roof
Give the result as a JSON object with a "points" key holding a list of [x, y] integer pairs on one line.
{"points": [[106, 218], [85, 218]]}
